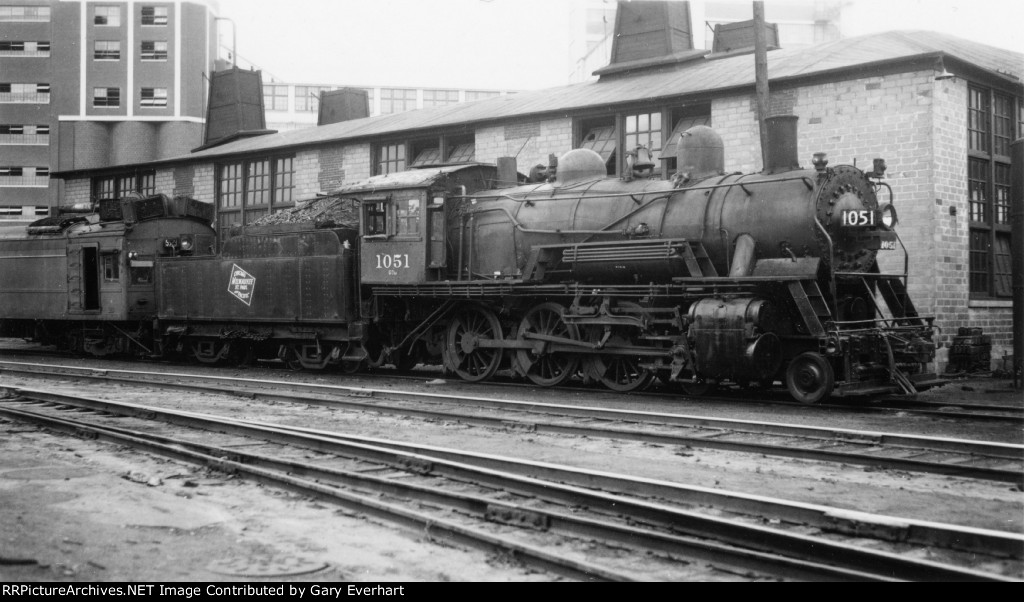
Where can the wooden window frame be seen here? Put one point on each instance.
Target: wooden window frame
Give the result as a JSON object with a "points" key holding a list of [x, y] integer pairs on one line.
{"points": [[993, 116]]}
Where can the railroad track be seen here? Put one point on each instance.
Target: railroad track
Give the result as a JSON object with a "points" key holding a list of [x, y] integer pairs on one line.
{"points": [[956, 457], [527, 508], [969, 411]]}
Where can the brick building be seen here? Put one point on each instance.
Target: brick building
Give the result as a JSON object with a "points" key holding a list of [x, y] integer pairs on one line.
{"points": [[941, 111]]}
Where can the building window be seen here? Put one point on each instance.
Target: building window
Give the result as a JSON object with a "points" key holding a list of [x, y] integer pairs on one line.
{"points": [[153, 51], [397, 100], [24, 14], [644, 129], [154, 15], [106, 51], [16, 175], [480, 94], [307, 98], [153, 97], [275, 97], [390, 158], [141, 183], [649, 129], [107, 15], [106, 97], [992, 120], [437, 98], [25, 134], [249, 190], [25, 49], [25, 93]]}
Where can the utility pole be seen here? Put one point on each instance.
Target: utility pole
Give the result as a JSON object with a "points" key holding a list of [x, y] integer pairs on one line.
{"points": [[761, 77]]}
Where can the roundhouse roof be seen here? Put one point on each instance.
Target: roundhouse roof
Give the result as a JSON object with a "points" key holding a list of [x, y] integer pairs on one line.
{"points": [[858, 56]]}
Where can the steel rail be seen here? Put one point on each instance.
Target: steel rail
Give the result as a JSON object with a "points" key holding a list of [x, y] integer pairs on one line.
{"points": [[546, 480], [812, 442], [965, 411], [300, 477]]}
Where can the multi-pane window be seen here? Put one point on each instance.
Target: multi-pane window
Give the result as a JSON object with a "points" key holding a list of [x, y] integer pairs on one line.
{"points": [[154, 15], [407, 217], [462, 153], [307, 98], [106, 50], [249, 190], [275, 97], [24, 93], [153, 51], [396, 100], [24, 14], [436, 98], [24, 134], [153, 97], [107, 15], [390, 158], [644, 129], [26, 49], [480, 94], [992, 120], [106, 97], [16, 175], [284, 182], [115, 187]]}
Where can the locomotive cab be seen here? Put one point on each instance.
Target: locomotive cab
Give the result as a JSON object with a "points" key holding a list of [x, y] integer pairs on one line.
{"points": [[403, 221]]}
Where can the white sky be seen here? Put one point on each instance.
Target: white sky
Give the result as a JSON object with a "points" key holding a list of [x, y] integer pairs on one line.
{"points": [[508, 44]]}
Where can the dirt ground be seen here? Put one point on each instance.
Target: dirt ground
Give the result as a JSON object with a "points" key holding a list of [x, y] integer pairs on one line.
{"points": [[79, 510]]}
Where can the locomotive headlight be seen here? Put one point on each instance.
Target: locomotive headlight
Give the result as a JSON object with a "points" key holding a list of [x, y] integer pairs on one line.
{"points": [[187, 242], [887, 213]]}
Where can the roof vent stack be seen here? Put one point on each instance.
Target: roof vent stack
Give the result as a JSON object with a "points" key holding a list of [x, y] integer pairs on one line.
{"points": [[650, 36], [342, 105], [235, 107]]}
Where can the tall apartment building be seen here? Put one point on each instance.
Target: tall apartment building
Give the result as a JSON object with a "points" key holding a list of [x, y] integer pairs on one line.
{"points": [[90, 84]]}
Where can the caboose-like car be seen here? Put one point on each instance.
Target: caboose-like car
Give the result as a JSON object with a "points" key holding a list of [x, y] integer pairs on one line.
{"points": [[703, 279]]}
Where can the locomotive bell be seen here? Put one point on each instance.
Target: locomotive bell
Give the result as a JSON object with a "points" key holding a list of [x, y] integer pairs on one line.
{"points": [[700, 153]]}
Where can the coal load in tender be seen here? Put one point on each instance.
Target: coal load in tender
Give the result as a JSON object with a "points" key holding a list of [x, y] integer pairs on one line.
{"points": [[330, 212]]}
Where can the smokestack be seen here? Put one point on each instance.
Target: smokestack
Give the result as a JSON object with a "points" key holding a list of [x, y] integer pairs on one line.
{"points": [[782, 144]]}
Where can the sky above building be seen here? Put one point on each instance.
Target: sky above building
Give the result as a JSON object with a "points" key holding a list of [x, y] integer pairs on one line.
{"points": [[507, 44]]}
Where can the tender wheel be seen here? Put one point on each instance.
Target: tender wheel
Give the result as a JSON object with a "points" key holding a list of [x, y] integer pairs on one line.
{"points": [[463, 353], [546, 369], [618, 372], [809, 377]]}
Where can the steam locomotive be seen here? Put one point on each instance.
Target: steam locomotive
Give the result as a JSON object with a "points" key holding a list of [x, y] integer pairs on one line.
{"points": [[705, 279]]}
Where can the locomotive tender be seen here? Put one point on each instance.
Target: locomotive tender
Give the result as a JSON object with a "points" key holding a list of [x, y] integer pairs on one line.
{"points": [[703, 279]]}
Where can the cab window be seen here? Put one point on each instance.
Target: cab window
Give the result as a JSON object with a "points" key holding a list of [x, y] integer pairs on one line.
{"points": [[407, 215], [375, 218]]}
